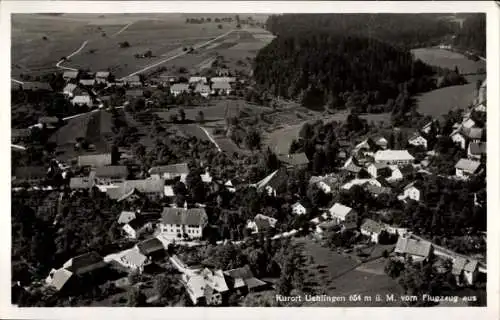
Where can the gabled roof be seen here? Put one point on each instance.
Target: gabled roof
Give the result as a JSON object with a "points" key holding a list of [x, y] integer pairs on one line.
{"points": [[417, 184], [372, 226], [60, 278], [181, 216], [462, 264], [102, 74], [95, 160], [351, 166], [70, 74], [221, 85], [416, 136], [82, 182], [48, 120], [379, 165], [339, 210], [82, 100], [133, 257], [244, 276], [468, 165], [134, 78], [393, 155], [468, 123], [179, 168], [477, 148], [222, 79], [198, 79], [381, 141], [473, 133], [36, 86], [294, 159], [111, 172], [263, 221], [179, 87], [83, 261], [87, 82], [134, 93], [149, 246], [376, 190], [70, 87], [126, 217], [413, 247], [145, 185], [202, 88]]}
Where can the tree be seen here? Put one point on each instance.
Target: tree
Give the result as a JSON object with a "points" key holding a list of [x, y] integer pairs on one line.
{"points": [[393, 268], [136, 298], [200, 117], [219, 26], [165, 287], [124, 44], [253, 139], [182, 115], [319, 161]]}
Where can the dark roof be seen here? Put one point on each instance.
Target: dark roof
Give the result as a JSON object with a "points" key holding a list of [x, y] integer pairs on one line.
{"points": [[137, 223], [181, 216], [413, 247], [278, 179], [111, 172], [149, 246], [82, 182], [31, 172], [48, 120], [36, 86], [83, 261], [295, 159], [477, 148], [246, 275], [468, 165], [473, 133], [178, 168], [134, 93]]}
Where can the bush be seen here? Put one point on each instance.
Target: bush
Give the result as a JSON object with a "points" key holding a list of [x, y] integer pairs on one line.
{"points": [[124, 44]]}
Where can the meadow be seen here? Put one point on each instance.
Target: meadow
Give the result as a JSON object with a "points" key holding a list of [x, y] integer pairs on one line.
{"points": [[448, 59]]}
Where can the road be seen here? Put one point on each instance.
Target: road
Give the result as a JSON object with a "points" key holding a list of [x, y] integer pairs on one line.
{"points": [[211, 138], [176, 56], [72, 54], [123, 29]]}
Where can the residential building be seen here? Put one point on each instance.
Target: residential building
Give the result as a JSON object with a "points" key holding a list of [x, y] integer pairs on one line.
{"points": [[465, 270], [202, 89], [298, 209], [413, 191], [480, 108], [134, 260], [170, 172], [459, 138], [179, 88], [229, 186], [94, 160], [205, 287], [417, 249], [59, 278], [82, 183], [197, 80], [223, 72], [133, 81], [102, 76], [221, 88], [69, 89], [381, 142], [154, 189], [181, 223], [70, 75], [261, 223], [223, 79], [294, 159], [36, 86], [352, 166], [427, 127], [468, 123], [473, 134], [393, 157], [151, 248], [126, 217], [110, 174], [83, 100], [363, 182], [476, 150], [418, 140], [272, 182], [87, 82], [371, 229], [344, 215], [133, 228], [84, 263], [466, 168], [379, 170], [243, 280]]}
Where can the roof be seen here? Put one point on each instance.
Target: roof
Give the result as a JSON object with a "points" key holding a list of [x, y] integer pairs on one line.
{"points": [[202, 88], [70, 87], [365, 144], [134, 78], [20, 133], [298, 204], [351, 166], [149, 246], [295, 159], [111, 172], [83, 261], [70, 74], [221, 85], [82, 100], [355, 182], [264, 182], [181, 216], [393, 155], [60, 278], [413, 247], [339, 210], [36, 86], [373, 189], [381, 141], [477, 148], [179, 87], [468, 123], [263, 221], [246, 276], [145, 185], [48, 120], [468, 165], [31, 172], [102, 74], [473, 133], [415, 137], [133, 257], [81, 182], [416, 184], [462, 264], [134, 93], [372, 226], [87, 82], [197, 79], [95, 160], [179, 168], [169, 191], [126, 217], [222, 79]]}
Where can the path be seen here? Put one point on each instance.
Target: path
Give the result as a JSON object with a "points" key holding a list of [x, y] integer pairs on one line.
{"points": [[122, 29], [72, 54], [16, 146], [16, 81], [175, 56], [211, 138]]}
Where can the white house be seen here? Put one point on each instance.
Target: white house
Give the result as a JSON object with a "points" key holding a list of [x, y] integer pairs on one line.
{"points": [[181, 223], [197, 80], [170, 172], [87, 82], [298, 209], [229, 186], [412, 191], [393, 157], [381, 142], [69, 89], [261, 223], [468, 123], [465, 270], [133, 259], [480, 108], [221, 88], [371, 229], [82, 100], [202, 89], [466, 168], [418, 140], [179, 88], [102, 76], [427, 128], [129, 231], [379, 169], [344, 215], [459, 138]]}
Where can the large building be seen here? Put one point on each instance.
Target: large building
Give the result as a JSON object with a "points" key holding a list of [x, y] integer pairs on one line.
{"points": [[180, 223], [393, 157]]}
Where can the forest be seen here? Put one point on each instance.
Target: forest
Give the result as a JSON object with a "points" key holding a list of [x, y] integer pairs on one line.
{"points": [[472, 36], [325, 69]]}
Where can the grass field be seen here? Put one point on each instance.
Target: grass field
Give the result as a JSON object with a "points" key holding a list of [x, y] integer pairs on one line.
{"points": [[447, 59]]}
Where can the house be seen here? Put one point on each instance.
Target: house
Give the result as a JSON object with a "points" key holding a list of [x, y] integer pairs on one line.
{"points": [[476, 150], [202, 89], [465, 270], [393, 157], [344, 215], [222, 72], [70, 75], [30, 175], [84, 263], [197, 80], [154, 189], [379, 170], [94, 160], [418, 140], [327, 183], [82, 100], [473, 134], [82, 183], [294, 159], [371, 229], [134, 93], [298, 209], [36, 86], [468, 123], [126, 217], [181, 223], [272, 182], [87, 82], [376, 190], [362, 182], [20, 135], [365, 145], [221, 88], [102, 76], [134, 260], [206, 177], [413, 191], [135, 226], [170, 172], [179, 88], [111, 174], [169, 191], [381, 142], [57, 279], [459, 138], [229, 186], [427, 127], [466, 168], [151, 247], [328, 225], [223, 79], [261, 223], [417, 249], [480, 108], [352, 166], [49, 122], [243, 280], [205, 287], [69, 89], [133, 81]]}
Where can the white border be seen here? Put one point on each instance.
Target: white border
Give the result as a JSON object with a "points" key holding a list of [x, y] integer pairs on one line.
{"points": [[493, 52]]}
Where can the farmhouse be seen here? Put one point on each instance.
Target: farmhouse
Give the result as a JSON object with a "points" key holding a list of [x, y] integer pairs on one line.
{"points": [[111, 174], [298, 209], [294, 159], [381, 142], [418, 250], [242, 279], [87, 82], [133, 260], [344, 215], [205, 286], [133, 81], [197, 80], [154, 189], [82, 183], [36, 86], [379, 170], [468, 123], [133, 227], [412, 191], [473, 134], [102, 76], [261, 223], [170, 172], [394, 157], [371, 229], [151, 247], [459, 138], [480, 108], [179, 88], [70, 75], [84, 263], [181, 223], [202, 89], [466, 168], [221, 88], [69, 89], [59, 278], [272, 182], [82, 101], [465, 270], [94, 160], [476, 150], [223, 79], [326, 184], [418, 140]]}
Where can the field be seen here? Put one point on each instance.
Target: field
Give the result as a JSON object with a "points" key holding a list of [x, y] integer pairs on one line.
{"points": [[447, 59]]}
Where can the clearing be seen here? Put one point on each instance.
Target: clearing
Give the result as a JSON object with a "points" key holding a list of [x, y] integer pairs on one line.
{"points": [[448, 59]]}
